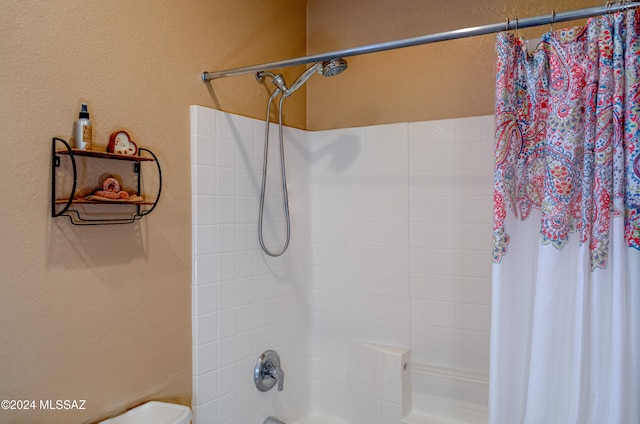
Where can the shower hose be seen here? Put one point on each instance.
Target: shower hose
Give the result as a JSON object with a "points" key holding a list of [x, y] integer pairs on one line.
{"points": [[285, 199]]}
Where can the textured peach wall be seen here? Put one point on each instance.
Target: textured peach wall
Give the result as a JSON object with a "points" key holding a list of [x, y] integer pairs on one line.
{"points": [[104, 313]]}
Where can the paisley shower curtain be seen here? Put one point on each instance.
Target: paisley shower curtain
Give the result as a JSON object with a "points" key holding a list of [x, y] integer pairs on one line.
{"points": [[565, 331]]}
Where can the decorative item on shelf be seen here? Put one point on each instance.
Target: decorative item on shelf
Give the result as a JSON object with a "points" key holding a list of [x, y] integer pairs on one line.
{"points": [[111, 192], [120, 143]]}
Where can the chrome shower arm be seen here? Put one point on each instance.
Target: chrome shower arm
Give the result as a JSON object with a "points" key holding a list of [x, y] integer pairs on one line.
{"points": [[276, 79], [262, 74]]}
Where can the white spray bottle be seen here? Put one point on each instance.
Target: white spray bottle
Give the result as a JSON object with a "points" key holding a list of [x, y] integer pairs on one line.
{"points": [[83, 131]]}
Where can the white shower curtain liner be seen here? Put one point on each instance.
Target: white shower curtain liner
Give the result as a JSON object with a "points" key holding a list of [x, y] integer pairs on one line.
{"points": [[565, 341]]}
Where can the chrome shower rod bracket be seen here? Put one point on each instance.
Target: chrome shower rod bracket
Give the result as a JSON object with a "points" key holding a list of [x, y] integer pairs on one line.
{"points": [[551, 18]]}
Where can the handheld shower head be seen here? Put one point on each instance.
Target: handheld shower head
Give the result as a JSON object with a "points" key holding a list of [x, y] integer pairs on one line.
{"points": [[328, 68], [304, 77]]}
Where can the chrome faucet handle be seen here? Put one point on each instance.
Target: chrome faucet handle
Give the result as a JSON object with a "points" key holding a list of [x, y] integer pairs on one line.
{"points": [[277, 373], [268, 372]]}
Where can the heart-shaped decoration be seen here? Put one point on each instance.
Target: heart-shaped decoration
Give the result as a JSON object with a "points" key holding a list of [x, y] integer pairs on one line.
{"points": [[120, 143]]}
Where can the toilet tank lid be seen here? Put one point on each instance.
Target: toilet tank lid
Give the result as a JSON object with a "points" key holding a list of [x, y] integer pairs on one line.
{"points": [[153, 413]]}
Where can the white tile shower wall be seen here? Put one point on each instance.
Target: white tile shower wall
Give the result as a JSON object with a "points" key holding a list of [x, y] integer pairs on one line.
{"points": [[451, 208], [360, 236], [450, 171], [391, 240], [243, 303], [401, 227]]}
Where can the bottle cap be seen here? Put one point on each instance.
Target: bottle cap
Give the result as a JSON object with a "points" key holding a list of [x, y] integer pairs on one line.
{"points": [[84, 113]]}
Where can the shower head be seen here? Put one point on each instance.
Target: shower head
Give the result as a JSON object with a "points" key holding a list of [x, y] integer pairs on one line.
{"points": [[328, 68], [333, 67]]}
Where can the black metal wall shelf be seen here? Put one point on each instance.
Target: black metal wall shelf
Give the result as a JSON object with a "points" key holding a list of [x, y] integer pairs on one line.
{"points": [[80, 210]]}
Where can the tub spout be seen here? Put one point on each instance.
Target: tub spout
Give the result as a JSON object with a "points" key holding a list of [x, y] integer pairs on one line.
{"points": [[272, 420]]}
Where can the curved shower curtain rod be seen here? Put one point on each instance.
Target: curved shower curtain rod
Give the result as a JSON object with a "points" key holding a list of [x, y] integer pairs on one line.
{"points": [[431, 38]]}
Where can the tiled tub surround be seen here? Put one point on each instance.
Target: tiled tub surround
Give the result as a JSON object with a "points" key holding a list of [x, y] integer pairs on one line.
{"points": [[243, 302], [391, 233]]}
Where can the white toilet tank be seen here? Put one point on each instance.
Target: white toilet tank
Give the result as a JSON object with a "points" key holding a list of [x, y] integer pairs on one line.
{"points": [[153, 413]]}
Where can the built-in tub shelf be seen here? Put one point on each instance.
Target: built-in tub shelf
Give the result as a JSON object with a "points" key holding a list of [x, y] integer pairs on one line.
{"points": [[75, 174]]}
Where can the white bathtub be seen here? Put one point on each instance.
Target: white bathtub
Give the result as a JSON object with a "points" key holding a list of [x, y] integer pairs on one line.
{"points": [[319, 419], [417, 418], [412, 418]]}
